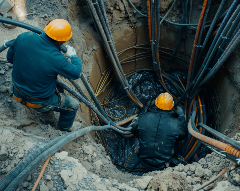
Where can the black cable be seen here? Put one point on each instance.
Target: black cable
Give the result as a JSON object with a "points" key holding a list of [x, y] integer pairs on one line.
{"points": [[82, 99], [43, 157], [210, 30], [170, 22], [200, 39], [225, 40], [231, 47], [221, 136], [217, 39]]}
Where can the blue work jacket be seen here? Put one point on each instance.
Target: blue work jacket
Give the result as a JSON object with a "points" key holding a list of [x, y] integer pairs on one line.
{"points": [[37, 61]]}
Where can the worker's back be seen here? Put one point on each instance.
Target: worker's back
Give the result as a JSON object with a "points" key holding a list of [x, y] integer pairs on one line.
{"points": [[158, 132], [37, 61]]}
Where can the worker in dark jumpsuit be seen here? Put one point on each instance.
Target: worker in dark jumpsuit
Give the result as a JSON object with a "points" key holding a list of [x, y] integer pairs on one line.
{"points": [[159, 128], [37, 61]]}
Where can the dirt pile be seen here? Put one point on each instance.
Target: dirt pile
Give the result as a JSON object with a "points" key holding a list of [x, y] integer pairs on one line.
{"points": [[169, 181]]}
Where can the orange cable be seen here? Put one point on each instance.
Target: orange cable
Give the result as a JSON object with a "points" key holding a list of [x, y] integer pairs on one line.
{"points": [[201, 129], [41, 173], [210, 181], [196, 40], [181, 83], [220, 145], [149, 21]]}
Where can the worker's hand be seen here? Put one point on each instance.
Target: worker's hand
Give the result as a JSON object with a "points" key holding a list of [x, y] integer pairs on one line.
{"points": [[179, 111], [134, 125], [70, 51]]}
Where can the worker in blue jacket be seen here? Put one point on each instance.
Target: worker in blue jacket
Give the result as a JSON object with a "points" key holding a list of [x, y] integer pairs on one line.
{"points": [[37, 61], [160, 130]]}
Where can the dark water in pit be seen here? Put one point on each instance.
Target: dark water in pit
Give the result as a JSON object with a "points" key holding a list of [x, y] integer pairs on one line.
{"points": [[144, 84]]}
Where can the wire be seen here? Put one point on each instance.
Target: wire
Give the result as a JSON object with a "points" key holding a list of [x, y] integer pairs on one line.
{"points": [[181, 83], [128, 160], [114, 100], [165, 16], [170, 22], [41, 173], [210, 181], [125, 111]]}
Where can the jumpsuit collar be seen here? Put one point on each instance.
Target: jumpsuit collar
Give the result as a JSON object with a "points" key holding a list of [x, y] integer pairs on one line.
{"points": [[49, 40]]}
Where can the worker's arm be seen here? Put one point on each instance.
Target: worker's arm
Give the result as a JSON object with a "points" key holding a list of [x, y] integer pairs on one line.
{"points": [[10, 52], [183, 124], [134, 125], [70, 70], [183, 130]]}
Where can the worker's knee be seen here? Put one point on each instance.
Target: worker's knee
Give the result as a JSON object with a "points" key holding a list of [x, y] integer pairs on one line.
{"points": [[70, 102]]}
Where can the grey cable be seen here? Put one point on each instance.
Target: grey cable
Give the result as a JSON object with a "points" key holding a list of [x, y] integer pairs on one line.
{"points": [[43, 157]]}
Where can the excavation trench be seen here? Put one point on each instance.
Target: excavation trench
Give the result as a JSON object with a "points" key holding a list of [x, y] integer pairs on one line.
{"points": [[135, 56]]}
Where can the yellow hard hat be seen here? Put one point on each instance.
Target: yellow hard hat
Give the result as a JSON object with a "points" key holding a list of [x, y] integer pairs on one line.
{"points": [[164, 101], [59, 30]]}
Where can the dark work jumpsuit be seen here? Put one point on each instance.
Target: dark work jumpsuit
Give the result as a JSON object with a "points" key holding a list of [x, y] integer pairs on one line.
{"points": [[37, 61], [158, 133]]}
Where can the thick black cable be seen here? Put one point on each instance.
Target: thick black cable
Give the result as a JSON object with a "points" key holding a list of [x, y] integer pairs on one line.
{"points": [[43, 157], [221, 136], [82, 99], [4, 182], [231, 47], [109, 45], [217, 39], [157, 9], [210, 30], [226, 39], [184, 94], [199, 142], [200, 38], [162, 18], [75, 84]]}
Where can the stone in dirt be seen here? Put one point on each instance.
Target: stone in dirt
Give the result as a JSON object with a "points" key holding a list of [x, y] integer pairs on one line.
{"points": [[126, 187], [43, 187], [143, 182], [225, 186], [72, 177], [169, 181], [98, 164], [164, 5], [62, 155], [199, 172], [3, 153], [197, 179]]}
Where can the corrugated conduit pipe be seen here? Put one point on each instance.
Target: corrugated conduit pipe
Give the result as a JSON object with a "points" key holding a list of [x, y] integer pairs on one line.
{"points": [[220, 145], [37, 160]]}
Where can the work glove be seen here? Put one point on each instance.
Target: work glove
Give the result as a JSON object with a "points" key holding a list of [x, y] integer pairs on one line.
{"points": [[70, 51], [134, 125]]}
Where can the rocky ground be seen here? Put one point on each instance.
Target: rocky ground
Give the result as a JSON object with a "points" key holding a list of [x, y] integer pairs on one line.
{"points": [[82, 164]]}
